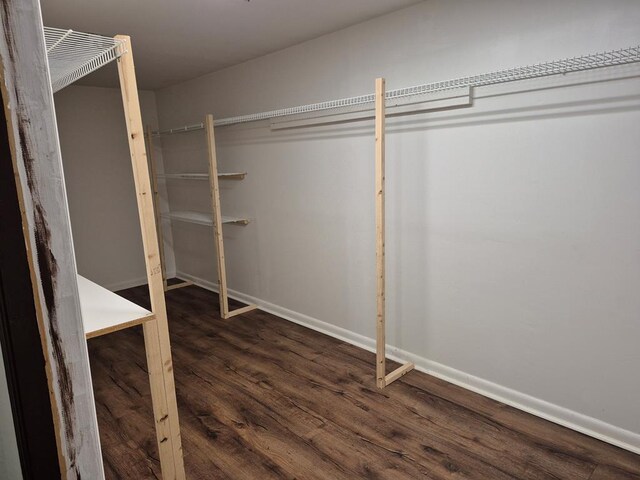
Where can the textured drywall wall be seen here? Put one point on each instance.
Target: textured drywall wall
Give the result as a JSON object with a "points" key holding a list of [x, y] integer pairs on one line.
{"points": [[9, 457], [102, 201], [513, 225]]}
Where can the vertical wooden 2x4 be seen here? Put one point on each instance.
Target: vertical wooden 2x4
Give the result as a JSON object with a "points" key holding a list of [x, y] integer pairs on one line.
{"points": [[382, 379], [156, 332], [217, 225]]}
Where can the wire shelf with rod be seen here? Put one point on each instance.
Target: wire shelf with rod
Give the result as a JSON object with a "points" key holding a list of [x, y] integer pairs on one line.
{"points": [[592, 61], [72, 55]]}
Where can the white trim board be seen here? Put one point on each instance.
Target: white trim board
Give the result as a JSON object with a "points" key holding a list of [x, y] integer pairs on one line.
{"points": [[123, 285], [132, 282], [590, 426]]}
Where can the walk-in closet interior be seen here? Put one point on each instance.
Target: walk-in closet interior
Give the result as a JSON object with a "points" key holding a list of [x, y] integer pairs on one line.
{"points": [[291, 239]]}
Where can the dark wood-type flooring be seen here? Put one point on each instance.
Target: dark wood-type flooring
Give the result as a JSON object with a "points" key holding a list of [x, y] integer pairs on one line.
{"points": [[263, 398]]}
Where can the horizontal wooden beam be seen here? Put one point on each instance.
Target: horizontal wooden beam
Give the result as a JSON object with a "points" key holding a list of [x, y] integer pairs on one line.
{"points": [[186, 283], [398, 372], [240, 311], [120, 326]]}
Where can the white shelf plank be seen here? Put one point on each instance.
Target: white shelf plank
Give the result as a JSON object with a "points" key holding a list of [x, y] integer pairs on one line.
{"points": [[184, 176], [105, 312], [202, 176], [203, 218], [232, 175]]}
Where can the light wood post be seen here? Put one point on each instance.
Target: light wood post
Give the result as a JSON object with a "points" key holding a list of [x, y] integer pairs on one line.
{"points": [[217, 215], [217, 224], [156, 202], [32, 138], [156, 333], [153, 171], [380, 227], [382, 379]]}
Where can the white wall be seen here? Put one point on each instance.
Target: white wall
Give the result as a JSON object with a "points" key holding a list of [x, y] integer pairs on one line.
{"points": [[9, 456], [513, 225], [102, 202]]}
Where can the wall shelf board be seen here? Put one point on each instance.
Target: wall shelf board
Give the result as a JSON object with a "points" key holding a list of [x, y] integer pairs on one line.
{"points": [[184, 176], [232, 175], [202, 176], [203, 218], [105, 312]]}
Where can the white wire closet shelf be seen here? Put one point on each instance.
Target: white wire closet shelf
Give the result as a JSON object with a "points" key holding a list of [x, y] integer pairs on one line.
{"points": [[201, 218], [72, 55], [105, 312], [610, 58]]}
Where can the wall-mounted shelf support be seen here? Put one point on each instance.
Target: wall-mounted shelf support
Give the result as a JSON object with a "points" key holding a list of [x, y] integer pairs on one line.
{"points": [[217, 225], [156, 332], [382, 379]]}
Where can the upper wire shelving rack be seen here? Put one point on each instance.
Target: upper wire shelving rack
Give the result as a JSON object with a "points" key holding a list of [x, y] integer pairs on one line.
{"points": [[610, 58], [72, 55]]}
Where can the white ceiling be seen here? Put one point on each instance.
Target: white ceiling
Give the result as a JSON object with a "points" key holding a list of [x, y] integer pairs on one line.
{"points": [[178, 40]]}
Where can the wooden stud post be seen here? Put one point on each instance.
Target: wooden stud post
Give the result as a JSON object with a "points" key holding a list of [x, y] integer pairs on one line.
{"points": [[156, 333], [380, 227], [217, 215], [49, 302], [217, 224], [156, 202], [382, 379]]}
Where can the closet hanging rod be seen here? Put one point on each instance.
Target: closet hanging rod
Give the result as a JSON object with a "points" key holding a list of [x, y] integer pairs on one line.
{"points": [[610, 58]]}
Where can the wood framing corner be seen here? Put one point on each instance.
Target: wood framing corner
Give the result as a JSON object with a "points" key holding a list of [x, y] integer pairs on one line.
{"points": [[217, 225], [382, 379], [397, 373], [185, 283]]}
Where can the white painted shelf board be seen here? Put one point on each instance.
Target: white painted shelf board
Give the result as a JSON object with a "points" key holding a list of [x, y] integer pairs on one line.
{"points": [[105, 312], [202, 218], [232, 175], [184, 176], [202, 176]]}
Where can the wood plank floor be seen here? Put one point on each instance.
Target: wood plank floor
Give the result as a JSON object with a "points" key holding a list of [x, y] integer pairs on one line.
{"points": [[263, 398]]}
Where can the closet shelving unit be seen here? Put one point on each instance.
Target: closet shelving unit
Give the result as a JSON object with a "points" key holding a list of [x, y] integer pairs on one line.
{"points": [[72, 55], [385, 103], [214, 219]]}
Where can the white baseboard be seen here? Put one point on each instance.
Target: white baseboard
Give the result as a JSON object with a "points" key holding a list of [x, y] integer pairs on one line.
{"points": [[563, 416], [133, 282]]}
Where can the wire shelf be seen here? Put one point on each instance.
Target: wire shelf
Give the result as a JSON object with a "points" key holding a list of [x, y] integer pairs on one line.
{"points": [[611, 58], [72, 55]]}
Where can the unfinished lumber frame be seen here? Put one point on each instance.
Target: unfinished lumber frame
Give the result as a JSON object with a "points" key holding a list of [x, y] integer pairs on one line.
{"points": [[153, 172], [156, 331], [217, 225], [31, 149], [382, 379]]}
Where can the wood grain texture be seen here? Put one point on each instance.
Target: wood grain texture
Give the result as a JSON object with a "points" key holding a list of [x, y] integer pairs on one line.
{"points": [[153, 175], [156, 333], [218, 220], [37, 165], [263, 398], [381, 343], [382, 378]]}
